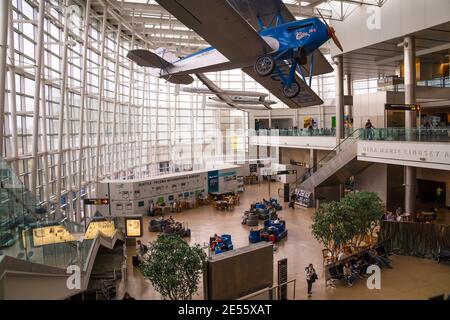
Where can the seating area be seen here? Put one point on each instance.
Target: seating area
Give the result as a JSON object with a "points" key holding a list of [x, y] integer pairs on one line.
{"points": [[169, 226], [444, 255], [273, 231], [219, 244], [264, 210], [358, 263], [224, 202]]}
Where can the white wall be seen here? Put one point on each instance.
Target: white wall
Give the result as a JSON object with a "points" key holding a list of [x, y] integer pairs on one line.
{"points": [[397, 19]]}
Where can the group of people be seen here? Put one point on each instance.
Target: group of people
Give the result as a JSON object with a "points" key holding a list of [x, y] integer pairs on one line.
{"points": [[354, 269], [174, 225], [393, 216]]}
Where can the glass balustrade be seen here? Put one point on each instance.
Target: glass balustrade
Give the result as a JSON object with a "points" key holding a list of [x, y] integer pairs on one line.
{"points": [[28, 232], [322, 132], [403, 134]]}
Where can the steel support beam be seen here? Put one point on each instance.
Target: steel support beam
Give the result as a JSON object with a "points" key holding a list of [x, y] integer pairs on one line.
{"points": [[86, 23], [37, 94], [12, 96], [101, 99]]}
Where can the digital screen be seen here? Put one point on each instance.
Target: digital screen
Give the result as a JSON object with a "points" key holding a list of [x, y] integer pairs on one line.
{"points": [[96, 202], [133, 227]]}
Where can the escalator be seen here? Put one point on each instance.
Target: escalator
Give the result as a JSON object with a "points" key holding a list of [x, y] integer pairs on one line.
{"points": [[335, 168], [36, 250]]}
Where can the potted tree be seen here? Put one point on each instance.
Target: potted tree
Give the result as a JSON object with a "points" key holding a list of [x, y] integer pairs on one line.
{"points": [[173, 267], [347, 222]]}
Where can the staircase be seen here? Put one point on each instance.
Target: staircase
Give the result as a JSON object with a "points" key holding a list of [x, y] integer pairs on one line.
{"points": [[335, 167], [36, 249]]}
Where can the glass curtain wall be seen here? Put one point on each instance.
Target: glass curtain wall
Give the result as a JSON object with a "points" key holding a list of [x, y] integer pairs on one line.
{"points": [[130, 125]]}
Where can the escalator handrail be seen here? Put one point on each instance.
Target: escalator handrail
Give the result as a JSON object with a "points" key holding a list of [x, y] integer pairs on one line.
{"points": [[310, 171]]}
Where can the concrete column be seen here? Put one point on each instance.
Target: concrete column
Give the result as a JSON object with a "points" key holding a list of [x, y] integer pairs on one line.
{"points": [[312, 158], [410, 119], [4, 13], [338, 61], [348, 91]]}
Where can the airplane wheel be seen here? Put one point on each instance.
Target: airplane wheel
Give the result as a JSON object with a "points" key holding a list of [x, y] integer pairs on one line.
{"points": [[292, 91], [264, 65]]}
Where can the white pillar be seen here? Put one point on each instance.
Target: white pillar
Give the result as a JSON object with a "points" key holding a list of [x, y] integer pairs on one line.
{"points": [[339, 75], [410, 119]]}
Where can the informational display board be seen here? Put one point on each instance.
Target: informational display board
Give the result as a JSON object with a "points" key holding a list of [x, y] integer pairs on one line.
{"points": [[213, 181], [51, 235], [105, 227], [133, 227]]}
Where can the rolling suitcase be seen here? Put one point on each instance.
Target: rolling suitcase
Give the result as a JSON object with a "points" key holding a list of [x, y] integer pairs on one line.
{"points": [[135, 261]]}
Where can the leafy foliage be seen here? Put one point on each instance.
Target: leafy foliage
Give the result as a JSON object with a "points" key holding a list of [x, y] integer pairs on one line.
{"points": [[346, 221], [173, 267]]}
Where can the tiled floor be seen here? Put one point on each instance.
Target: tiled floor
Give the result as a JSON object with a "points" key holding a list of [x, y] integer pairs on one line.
{"points": [[411, 278]]}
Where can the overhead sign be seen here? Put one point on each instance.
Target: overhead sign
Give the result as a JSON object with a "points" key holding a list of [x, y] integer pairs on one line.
{"points": [[286, 172], [96, 202], [402, 107]]}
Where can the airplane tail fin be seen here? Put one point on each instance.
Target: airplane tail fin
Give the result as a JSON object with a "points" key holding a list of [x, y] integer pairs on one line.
{"points": [[160, 58]]}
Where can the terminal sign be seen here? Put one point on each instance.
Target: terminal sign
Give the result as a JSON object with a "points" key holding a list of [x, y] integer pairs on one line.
{"points": [[287, 172], [402, 107], [96, 202]]}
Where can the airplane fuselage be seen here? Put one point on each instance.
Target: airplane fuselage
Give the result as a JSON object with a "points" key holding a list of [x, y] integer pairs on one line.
{"points": [[307, 35]]}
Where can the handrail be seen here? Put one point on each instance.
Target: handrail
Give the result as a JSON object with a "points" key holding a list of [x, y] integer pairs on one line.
{"points": [[310, 171], [268, 289]]}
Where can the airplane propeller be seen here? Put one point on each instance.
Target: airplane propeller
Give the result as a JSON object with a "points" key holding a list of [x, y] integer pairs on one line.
{"points": [[331, 33]]}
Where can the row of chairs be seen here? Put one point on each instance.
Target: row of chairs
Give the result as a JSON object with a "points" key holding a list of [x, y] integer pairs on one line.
{"points": [[335, 270]]}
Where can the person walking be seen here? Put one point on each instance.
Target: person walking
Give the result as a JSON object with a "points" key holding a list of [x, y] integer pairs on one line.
{"points": [[311, 277], [439, 191], [369, 131]]}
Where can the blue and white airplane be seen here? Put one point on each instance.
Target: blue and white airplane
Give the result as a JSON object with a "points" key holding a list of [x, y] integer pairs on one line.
{"points": [[260, 36]]}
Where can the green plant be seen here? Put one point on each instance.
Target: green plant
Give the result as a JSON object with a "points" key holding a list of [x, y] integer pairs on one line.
{"points": [[173, 267], [332, 225], [367, 209], [348, 221]]}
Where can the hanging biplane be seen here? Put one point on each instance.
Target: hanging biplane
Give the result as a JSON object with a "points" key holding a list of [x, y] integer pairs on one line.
{"points": [[260, 36]]}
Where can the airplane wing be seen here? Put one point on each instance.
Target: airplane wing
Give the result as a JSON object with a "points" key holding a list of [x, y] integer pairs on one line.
{"points": [[264, 9], [220, 25], [224, 97], [307, 97]]}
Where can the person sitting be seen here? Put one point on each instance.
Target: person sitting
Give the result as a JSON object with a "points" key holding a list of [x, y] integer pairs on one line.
{"points": [[348, 273], [171, 220], [341, 256], [381, 261], [358, 266]]}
